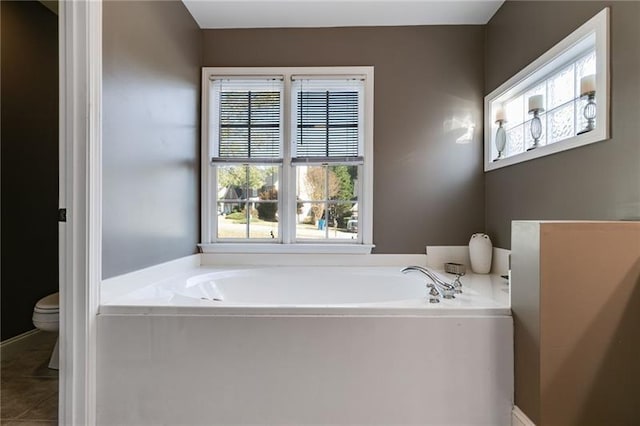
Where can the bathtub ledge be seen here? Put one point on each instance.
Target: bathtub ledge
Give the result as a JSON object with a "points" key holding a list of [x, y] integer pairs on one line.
{"points": [[251, 248]]}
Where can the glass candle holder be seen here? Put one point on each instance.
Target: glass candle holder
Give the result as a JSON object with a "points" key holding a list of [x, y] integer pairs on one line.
{"points": [[589, 111], [536, 128], [501, 139]]}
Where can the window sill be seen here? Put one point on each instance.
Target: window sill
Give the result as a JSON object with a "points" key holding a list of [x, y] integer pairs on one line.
{"points": [[596, 135], [237, 248]]}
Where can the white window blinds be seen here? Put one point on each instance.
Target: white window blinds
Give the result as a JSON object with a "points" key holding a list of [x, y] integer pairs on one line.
{"points": [[328, 119], [248, 119]]}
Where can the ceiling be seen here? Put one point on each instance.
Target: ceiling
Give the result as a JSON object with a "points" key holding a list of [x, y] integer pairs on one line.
{"points": [[338, 13]]}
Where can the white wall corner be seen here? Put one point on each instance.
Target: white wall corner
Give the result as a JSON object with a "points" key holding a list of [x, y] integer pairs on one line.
{"points": [[500, 261], [437, 256], [518, 418]]}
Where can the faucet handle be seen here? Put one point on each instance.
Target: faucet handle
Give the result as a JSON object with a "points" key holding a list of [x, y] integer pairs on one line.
{"points": [[434, 295], [457, 284], [449, 294]]}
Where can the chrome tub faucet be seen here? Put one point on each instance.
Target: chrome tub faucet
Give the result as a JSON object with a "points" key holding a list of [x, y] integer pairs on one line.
{"points": [[437, 287]]}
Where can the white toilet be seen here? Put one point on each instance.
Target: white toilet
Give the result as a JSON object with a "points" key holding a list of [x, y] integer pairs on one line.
{"points": [[46, 317]]}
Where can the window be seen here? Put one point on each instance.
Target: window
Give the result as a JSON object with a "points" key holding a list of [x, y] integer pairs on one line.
{"points": [[287, 159], [546, 100], [562, 107], [246, 136]]}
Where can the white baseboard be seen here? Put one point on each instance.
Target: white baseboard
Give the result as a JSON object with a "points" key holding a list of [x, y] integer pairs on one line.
{"points": [[518, 418], [16, 339]]}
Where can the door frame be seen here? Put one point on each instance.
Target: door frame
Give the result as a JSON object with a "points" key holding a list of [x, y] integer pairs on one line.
{"points": [[80, 193]]}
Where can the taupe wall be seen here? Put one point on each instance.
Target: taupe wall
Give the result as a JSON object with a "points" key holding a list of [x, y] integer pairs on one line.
{"points": [[576, 322], [598, 181], [151, 135], [428, 189], [29, 160]]}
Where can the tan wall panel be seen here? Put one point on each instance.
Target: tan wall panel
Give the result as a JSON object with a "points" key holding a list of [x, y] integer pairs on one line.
{"points": [[590, 312]]}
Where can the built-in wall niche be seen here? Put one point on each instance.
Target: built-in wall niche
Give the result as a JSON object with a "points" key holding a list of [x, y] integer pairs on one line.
{"points": [[558, 102]]}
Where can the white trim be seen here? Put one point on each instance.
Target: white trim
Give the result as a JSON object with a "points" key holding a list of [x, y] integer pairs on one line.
{"points": [[518, 418], [308, 259], [80, 258], [598, 25], [287, 248], [208, 208], [366, 225], [206, 174], [286, 227]]}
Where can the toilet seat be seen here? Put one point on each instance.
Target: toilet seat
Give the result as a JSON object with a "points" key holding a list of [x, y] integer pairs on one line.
{"points": [[46, 313], [48, 305]]}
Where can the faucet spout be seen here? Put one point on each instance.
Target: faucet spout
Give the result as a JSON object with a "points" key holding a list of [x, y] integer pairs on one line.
{"points": [[443, 288]]}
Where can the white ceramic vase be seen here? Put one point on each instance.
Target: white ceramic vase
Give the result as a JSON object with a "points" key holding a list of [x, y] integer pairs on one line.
{"points": [[480, 253]]}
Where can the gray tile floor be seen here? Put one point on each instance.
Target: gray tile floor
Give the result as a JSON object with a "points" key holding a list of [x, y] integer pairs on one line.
{"points": [[29, 390]]}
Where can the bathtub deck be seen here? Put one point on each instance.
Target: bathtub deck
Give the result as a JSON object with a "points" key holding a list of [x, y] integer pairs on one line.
{"points": [[483, 295]]}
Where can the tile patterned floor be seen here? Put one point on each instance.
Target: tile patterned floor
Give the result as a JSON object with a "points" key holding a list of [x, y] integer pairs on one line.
{"points": [[29, 390]]}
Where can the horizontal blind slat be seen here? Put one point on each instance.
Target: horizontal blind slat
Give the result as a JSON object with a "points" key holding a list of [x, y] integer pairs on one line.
{"points": [[249, 124], [327, 123]]}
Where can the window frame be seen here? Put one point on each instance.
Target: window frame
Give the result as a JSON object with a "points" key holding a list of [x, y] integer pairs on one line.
{"points": [[287, 199], [545, 66]]}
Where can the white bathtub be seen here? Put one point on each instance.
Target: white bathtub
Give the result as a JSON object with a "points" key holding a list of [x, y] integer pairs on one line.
{"points": [[309, 290], [302, 345], [300, 286]]}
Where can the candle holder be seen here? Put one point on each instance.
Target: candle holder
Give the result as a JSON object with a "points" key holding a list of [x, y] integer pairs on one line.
{"points": [[589, 111], [536, 127], [501, 139]]}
